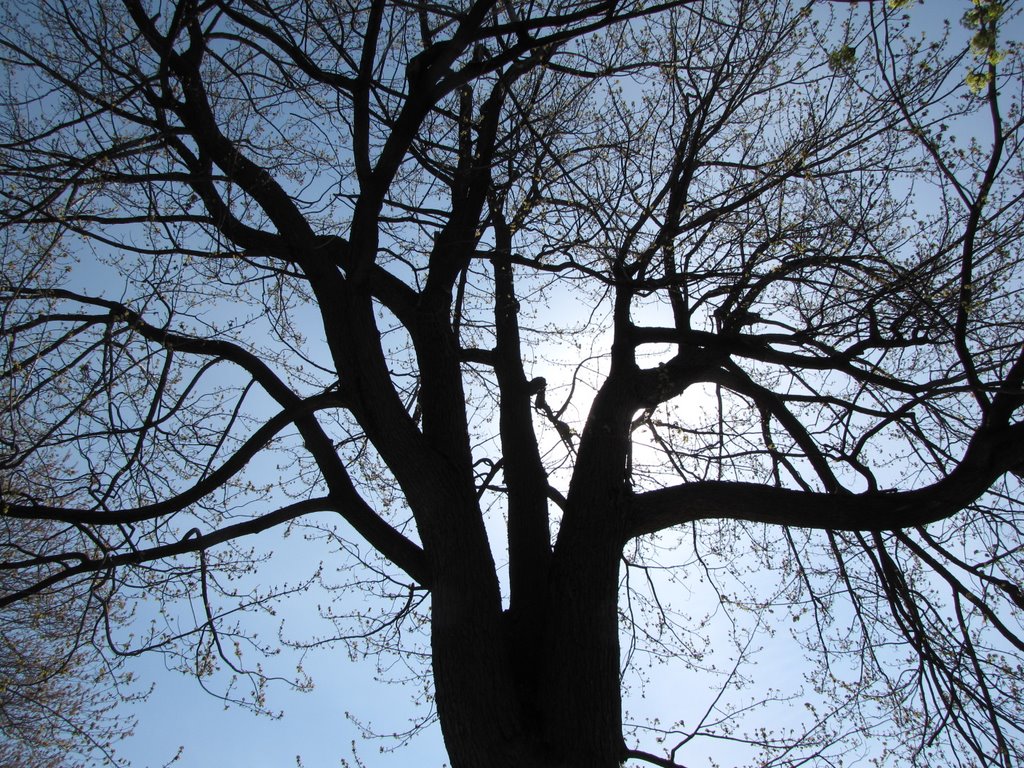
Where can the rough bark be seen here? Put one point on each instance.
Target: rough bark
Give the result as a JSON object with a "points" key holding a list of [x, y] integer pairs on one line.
{"points": [[563, 709]]}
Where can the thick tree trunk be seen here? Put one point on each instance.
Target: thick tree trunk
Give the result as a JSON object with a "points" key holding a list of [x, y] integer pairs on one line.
{"points": [[574, 720], [580, 686], [477, 694], [554, 705], [580, 692], [477, 702], [540, 687]]}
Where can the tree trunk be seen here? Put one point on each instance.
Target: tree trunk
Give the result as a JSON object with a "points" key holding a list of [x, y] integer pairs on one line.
{"points": [[580, 691], [540, 687], [556, 704], [575, 718], [478, 702]]}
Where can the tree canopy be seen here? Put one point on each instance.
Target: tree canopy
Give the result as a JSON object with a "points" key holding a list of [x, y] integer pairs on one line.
{"points": [[574, 336]]}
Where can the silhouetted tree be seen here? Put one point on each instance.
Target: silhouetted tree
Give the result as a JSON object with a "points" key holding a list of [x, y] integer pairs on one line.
{"points": [[582, 333], [59, 689]]}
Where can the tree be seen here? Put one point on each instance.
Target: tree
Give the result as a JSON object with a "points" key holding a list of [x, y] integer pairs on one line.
{"points": [[59, 688], [57, 694], [612, 292]]}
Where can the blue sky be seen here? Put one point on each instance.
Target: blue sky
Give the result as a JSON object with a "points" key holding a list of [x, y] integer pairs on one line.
{"points": [[314, 725]]}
